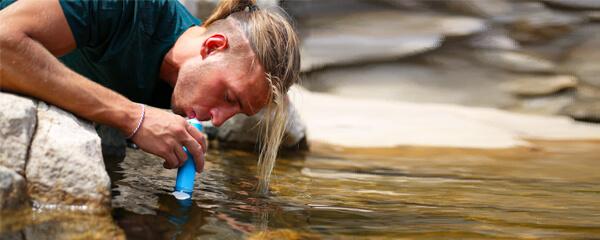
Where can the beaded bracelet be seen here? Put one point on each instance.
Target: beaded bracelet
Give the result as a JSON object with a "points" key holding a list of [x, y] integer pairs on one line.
{"points": [[139, 122]]}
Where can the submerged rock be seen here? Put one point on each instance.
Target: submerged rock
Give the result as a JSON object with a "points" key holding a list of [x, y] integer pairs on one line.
{"points": [[17, 123], [13, 191], [65, 164], [515, 61], [537, 85], [378, 36]]}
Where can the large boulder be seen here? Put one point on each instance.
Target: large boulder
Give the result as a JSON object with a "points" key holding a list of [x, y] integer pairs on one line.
{"points": [[17, 122], [65, 164], [378, 36], [13, 191]]}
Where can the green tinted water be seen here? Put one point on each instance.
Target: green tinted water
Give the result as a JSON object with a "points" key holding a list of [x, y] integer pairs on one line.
{"points": [[550, 192]]}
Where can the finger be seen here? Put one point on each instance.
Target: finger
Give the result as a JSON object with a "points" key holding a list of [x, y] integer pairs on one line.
{"points": [[170, 161], [196, 150], [198, 136], [180, 154]]}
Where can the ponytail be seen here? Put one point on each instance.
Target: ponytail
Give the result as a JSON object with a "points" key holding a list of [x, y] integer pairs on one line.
{"points": [[227, 7]]}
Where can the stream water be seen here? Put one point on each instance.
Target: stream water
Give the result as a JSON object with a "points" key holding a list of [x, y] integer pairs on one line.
{"points": [[551, 191]]}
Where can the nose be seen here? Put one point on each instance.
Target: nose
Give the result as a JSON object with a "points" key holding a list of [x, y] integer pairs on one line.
{"points": [[220, 115]]}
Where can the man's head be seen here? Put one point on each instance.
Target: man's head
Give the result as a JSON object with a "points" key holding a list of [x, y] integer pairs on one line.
{"points": [[248, 60]]}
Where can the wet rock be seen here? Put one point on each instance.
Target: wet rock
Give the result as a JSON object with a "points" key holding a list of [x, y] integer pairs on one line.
{"points": [[72, 225], [488, 8], [113, 142], [496, 39], [65, 165], [588, 111], [536, 85], [584, 60], [242, 131], [575, 4], [17, 123], [515, 61], [13, 191], [378, 36], [533, 23]]}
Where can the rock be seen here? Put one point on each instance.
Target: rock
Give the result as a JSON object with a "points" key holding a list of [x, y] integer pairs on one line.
{"points": [[533, 23], [242, 131], [440, 78], [488, 8], [584, 59], [72, 225], [593, 16], [361, 123], [515, 61], [17, 123], [113, 142], [545, 105], [588, 111], [13, 191], [493, 40], [575, 4], [65, 165], [406, 4], [540, 85], [351, 38]]}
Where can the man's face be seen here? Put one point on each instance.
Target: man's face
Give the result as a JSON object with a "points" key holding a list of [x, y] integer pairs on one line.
{"points": [[218, 85]]}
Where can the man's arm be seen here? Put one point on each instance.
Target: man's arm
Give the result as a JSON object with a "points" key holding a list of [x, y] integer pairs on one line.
{"points": [[32, 33]]}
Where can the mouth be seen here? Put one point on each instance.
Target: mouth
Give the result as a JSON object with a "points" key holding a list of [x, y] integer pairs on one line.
{"points": [[191, 114]]}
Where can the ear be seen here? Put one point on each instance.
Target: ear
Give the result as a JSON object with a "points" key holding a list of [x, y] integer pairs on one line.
{"points": [[216, 42]]}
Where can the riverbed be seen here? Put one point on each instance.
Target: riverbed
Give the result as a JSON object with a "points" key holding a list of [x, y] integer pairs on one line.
{"points": [[551, 191]]}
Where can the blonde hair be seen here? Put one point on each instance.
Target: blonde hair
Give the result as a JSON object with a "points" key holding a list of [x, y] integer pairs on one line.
{"points": [[276, 46]]}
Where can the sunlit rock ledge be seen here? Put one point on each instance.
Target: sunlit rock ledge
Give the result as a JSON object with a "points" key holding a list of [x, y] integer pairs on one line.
{"points": [[366, 123]]}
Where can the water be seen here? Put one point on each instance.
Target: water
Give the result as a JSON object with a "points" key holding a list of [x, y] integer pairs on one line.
{"points": [[548, 192]]}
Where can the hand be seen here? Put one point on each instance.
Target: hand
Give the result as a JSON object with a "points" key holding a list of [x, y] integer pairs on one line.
{"points": [[164, 134]]}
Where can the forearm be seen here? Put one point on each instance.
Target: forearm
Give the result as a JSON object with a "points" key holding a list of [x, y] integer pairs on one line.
{"points": [[27, 67]]}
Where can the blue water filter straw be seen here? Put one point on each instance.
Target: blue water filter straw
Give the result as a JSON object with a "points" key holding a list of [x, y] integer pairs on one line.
{"points": [[184, 185]]}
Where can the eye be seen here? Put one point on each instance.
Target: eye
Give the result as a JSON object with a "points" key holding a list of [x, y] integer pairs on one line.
{"points": [[228, 99]]}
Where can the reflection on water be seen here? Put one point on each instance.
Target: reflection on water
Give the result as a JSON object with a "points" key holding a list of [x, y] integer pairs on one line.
{"points": [[551, 192]]}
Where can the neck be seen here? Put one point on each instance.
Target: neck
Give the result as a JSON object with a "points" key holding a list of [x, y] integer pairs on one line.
{"points": [[187, 46]]}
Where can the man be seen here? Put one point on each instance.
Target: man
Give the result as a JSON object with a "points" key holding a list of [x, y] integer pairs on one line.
{"points": [[116, 57]]}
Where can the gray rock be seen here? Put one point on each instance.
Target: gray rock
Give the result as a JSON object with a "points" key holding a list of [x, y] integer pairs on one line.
{"points": [[443, 77], [487, 8], [378, 36], [17, 123], [515, 61], [13, 191], [537, 85], [243, 131], [534, 23], [575, 4], [113, 142], [588, 111], [496, 39], [545, 105], [593, 16], [584, 60], [65, 165]]}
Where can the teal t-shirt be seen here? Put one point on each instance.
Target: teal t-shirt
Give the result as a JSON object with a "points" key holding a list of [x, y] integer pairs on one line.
{"points": [[121, 44]]}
